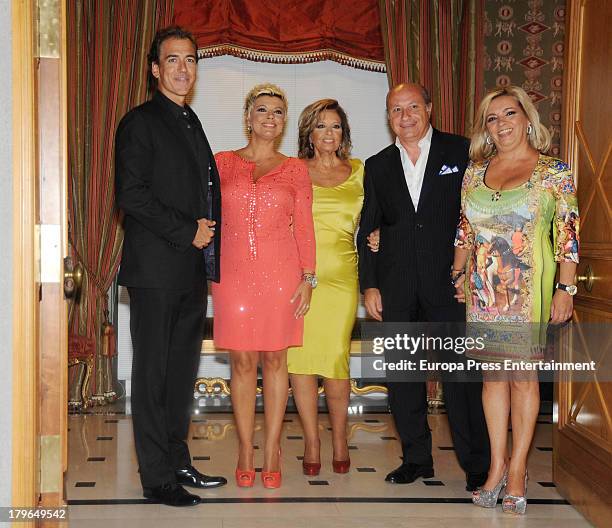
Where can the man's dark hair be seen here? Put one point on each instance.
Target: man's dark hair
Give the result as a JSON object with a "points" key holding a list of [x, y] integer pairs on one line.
{"points": [[162, 35]]}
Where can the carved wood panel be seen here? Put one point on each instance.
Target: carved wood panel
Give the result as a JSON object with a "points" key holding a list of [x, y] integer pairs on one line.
{"points": [[582, 458]]}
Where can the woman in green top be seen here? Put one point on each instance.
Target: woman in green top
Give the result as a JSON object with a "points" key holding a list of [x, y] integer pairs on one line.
{"points": [[504, 269]]}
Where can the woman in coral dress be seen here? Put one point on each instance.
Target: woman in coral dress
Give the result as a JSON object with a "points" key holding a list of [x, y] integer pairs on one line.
{"points": [[325, 142], [267, 263]]}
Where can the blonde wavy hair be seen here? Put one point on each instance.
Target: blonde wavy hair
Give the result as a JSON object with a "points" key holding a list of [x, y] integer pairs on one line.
{"points": [[263, 89], [539, 138], [308, 121]]}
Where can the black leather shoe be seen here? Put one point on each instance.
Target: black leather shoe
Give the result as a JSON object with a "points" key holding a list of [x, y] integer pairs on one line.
{"points": [[190, 476], [171, 494], [474, 480], [407, 473]]}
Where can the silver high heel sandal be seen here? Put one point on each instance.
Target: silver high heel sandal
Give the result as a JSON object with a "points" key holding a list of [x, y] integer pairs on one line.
{"points": [[516, 504], [488, 498]]}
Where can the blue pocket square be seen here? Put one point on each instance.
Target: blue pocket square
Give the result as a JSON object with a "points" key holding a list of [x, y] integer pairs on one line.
{"points": [[448, 170]]}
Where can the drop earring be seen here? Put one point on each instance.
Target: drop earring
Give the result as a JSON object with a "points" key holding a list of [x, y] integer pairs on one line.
{"points": [[489, 141], [529, 129]]}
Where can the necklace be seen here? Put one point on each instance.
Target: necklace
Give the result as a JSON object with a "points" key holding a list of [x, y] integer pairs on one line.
{"points": [[495, 196]]}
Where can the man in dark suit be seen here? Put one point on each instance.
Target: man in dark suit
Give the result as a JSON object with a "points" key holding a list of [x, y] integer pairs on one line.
{"points": [[412, 193], [168, 187]]}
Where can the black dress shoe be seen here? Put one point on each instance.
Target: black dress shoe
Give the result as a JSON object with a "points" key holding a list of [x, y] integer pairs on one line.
{"points": [[171, 494], [407, 473], [190, 476], [474, 480]]}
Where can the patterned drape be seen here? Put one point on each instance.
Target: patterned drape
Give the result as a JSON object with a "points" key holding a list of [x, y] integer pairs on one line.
{"points": [[437, 43], [524, 45], [108, 41]]}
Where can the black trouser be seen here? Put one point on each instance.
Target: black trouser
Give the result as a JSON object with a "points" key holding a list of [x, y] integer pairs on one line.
{"points": [[463, 400], [167, 327]]}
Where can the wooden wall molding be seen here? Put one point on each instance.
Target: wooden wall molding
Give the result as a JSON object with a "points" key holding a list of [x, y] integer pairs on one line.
{"points": [[25, 268]]}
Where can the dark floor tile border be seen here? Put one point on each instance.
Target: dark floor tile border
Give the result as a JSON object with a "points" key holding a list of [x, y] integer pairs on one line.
{"points": [[224, 411], [544, 448], [94, 413], [314, 500]]}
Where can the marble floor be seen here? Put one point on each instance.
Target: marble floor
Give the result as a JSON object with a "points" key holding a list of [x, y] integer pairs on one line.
{"points": [[103, 489]]}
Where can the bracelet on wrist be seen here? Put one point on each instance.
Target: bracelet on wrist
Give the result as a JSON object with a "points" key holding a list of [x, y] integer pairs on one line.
{"points": [[310, 279], [455, 275]]}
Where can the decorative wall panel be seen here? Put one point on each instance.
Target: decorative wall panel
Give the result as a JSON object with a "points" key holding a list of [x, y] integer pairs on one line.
{"points": [[524, 43]]}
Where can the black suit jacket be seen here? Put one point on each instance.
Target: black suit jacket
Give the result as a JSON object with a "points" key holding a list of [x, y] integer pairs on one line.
{"points": [[416, 247], [160, 185]]}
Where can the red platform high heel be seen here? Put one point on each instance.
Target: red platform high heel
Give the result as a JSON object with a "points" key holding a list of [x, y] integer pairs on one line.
{"points": [[311, 469], [272, 479], [245, 478], [341, 466]]}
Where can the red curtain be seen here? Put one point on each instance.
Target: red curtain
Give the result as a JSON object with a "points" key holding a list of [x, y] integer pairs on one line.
{"points": [[108, 41], [346, 31], [438, 43]]}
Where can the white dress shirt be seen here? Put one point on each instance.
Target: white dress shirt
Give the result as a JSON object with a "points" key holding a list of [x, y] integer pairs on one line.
{"points": [[414, 173]]}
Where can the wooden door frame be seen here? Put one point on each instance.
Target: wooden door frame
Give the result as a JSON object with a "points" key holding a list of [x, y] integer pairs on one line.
{"points": [[571, 95], [27, 370], [574, 443], [25, 257]]}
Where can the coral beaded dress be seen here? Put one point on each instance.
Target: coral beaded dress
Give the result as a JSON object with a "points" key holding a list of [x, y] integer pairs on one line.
{"points": [[267, 240]]}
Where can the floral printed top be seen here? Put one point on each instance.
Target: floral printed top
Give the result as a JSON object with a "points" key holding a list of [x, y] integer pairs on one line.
{"points": [[511, 268]]}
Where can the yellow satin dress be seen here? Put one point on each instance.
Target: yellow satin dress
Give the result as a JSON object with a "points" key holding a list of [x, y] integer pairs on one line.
{"points": [[329, 322]]}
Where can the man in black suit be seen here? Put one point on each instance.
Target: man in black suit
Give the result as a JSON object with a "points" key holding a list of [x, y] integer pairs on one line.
{"points": [[412, 193], [168, 187]]}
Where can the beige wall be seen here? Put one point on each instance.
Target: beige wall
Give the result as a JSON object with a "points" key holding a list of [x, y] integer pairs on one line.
{"points": [[6, 254]]}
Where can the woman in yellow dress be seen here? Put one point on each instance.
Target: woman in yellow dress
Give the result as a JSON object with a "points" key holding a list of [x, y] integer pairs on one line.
{"points": [[325, 143]]}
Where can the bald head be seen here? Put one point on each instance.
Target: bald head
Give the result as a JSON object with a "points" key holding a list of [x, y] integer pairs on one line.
{"points": [[406, 87], [409, 110]]}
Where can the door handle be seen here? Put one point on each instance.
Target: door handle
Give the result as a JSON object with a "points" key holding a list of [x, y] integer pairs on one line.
{"points": [[587, 279], [73, 278]]}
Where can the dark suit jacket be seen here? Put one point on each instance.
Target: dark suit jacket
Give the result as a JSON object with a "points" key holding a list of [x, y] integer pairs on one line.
{"points": [[161, 187], [416, 247]]}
